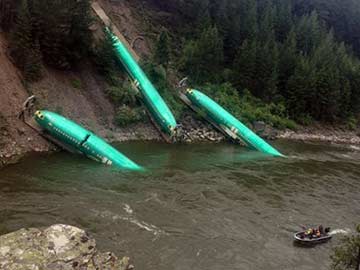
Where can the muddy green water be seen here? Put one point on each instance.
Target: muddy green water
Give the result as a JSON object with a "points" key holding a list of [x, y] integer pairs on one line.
{"points": [[200, 206]]}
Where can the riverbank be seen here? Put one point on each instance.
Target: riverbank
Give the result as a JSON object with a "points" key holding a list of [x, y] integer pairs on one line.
{"points": [[195, 131], [56, 247], [321, 133]]}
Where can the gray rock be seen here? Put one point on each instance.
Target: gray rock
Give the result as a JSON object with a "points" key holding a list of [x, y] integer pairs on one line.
{"points": [[54, 248], [259, 126]]}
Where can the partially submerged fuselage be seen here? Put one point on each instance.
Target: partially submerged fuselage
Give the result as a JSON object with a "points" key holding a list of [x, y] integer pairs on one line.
{"points": [[80, 140], [156, 106], [226, 122]]}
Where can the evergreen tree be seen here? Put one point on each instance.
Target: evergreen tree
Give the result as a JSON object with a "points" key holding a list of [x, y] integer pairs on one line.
{"points": [[300, 86], [105, 59], [24, 49], [21, 39], [287, 62], [249, 19], [245, 66], [327, 80], [229, 25], [33, 65], [283, 19], [203, 59], [267, 22], [64, 35], [309, 33], [162, 50], [79, 38]]}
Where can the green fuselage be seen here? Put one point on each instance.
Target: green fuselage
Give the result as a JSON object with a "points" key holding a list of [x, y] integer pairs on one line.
{"points": [[227, 122], [82, 141], [156, 106]]}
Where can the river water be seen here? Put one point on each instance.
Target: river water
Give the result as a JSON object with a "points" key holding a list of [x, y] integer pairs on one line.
{"points": [[205, 206]]}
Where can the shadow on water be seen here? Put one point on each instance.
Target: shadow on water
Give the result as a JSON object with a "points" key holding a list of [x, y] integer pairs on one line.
{"points": [[204, 206]]}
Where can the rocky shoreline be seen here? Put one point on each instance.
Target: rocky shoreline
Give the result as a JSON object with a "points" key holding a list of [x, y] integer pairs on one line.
{"points": [[56, 247], [322, 134], [195, 131]]}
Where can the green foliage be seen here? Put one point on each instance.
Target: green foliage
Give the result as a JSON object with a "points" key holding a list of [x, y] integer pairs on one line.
{"points": [[25, 47], [56, 32], [64, 35], [281, 51], [124, 94], [105, 60], [203, 58], [126, 115], [347, 254], [245, 66], [352, 123], [248, 108], [158, 76], [76, 83], [162, 50]]}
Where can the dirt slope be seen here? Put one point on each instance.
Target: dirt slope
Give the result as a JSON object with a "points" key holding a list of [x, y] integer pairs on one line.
{"points": [[15, 137], [128, 18], [77, 95]]}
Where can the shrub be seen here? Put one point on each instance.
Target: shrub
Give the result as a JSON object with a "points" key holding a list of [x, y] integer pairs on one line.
{"points": [[124, 94], [347, 254], [126, 116], [247, 108], [352, 123], [76, 83], [158, 76]]}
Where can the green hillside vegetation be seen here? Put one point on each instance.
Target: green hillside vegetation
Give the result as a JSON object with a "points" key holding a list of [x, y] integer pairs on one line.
{"points": [[267, 60]]}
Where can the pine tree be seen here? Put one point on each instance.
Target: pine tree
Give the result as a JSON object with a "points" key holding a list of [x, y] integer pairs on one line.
{"points": [[162, 50], [283, 20], [64, 35], [249, 19], [210, 54], [21, 39], [267, 70], [229, 25], [300, 86], [267, 22], [202, 59], [287, 62], [309, 33], [33, 66], [79, 38], [245, 66], [325, 105], [24, 49]]}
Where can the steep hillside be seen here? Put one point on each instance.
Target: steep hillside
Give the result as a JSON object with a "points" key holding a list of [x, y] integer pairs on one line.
{"points": [[128, 16], [79, 95], [15, 137]]}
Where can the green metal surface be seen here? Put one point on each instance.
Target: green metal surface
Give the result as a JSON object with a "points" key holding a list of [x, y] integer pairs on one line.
{"points": [[152, 99], [83, 141], [228, 122]]}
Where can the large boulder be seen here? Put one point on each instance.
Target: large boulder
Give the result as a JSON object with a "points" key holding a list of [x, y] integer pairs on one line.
{"points": [[56, 247]]}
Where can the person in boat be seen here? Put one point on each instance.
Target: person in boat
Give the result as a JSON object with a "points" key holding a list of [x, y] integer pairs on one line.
{"points": [[321, 229], [309, 233]]}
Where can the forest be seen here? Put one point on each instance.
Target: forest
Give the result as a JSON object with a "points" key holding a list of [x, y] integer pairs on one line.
{"points": [[263, 59]]}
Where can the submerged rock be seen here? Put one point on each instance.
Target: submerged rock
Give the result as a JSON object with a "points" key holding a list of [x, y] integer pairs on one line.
{"points": [[54, 248]]}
